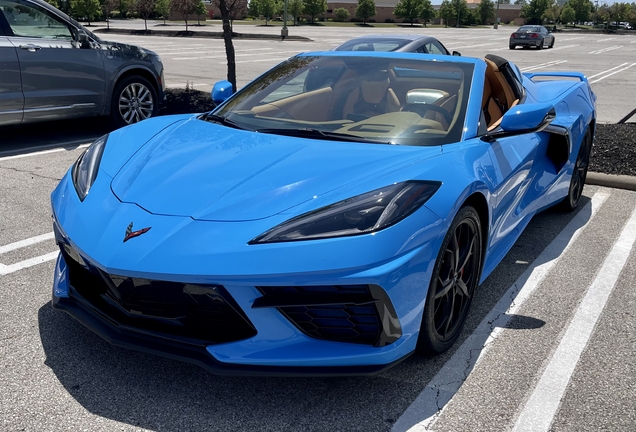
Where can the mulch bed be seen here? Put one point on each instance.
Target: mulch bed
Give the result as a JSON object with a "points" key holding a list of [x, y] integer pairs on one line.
{"points": [[614, 149], [198, 34], [182, 101]]}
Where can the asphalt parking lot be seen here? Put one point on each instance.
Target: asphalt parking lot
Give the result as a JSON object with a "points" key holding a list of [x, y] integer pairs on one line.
{"points": [[549, 344]]}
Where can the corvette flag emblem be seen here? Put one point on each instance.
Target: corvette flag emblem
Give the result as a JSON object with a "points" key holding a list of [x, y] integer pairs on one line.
{"points": [[132, 234]]}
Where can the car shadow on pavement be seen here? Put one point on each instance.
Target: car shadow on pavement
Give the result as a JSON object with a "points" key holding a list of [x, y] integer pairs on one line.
{"points": [[15, 139], [160, 394]]}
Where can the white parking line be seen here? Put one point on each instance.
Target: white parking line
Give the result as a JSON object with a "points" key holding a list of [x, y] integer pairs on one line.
{"points": [[24, 243], [6, 269], [543, 65], [249, 52], [545, 400], [609, 75], [38, 153], [603, 40], [605, 71], [572, 38], [562, 47], [471, 46], [432, 401], [178, 85], [262, 60], [604, 50]]}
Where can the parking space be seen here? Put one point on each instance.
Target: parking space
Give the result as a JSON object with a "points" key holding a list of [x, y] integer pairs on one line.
{"points": [[550, 339]]}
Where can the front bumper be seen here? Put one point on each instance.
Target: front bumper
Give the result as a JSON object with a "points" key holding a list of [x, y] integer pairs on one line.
{"points": [[178, 249], [182, 351]]}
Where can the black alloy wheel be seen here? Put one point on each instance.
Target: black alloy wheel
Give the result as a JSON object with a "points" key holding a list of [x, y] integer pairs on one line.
{"points": [[579, 174], [540, 46], [455, 277]]}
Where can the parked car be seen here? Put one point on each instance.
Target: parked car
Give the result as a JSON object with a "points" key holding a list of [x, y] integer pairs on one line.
{"points": [[54, 68], [330, 228], [400, 43], [532, 36]]}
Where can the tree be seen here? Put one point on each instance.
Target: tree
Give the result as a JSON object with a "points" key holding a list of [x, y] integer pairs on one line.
{"points": [[162, 8], [295, 8], [621, 12], [237, 10], [314, 7], [185, 8], [124, 7], [553, 13], [144, 9], [252, 9], [426, 11], [200, 10], [53, 3], [227, 8], [341, 14], [85, 9], [267, 8], [533, 11], [582, 9], [408, 10], [519, 2], [446, 11], [108, 6], [485, 11], [461, 11], [365, 10], [567, 14]]}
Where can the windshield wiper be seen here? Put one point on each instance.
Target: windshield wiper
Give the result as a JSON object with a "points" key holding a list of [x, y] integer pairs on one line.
{"points": [[319, 134], [222, 120]]}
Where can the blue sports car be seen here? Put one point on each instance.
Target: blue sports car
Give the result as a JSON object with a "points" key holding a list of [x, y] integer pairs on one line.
{"points": [[332, 217]]}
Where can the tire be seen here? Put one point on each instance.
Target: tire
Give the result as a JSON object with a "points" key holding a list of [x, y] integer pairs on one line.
{"points": [[133, 100], [540, 46], [452, 284], [511, 47], [552, 43], [579, 174]]}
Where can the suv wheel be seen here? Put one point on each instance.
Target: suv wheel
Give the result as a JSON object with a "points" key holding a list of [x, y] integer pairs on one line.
{"points": [[134, 100]]}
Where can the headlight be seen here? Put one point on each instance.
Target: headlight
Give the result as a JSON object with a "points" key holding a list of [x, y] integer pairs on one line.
{"points": [[366, 213], [86, 167]]}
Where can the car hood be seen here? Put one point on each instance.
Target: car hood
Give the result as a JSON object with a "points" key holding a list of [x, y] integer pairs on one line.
{"points": [[211, 172]]}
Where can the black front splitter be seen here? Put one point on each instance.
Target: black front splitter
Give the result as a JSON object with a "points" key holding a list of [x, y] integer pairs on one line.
{"points": [[197, 354]]}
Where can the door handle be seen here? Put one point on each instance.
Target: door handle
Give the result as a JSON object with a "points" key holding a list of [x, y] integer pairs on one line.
{"points": [[30, 47]]}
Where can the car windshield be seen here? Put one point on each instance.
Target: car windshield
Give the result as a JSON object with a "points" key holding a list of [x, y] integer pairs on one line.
{"points": [[528, 29], [373, 99], [373, 44]]}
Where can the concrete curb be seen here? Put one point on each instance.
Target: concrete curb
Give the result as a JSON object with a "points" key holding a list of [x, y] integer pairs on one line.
{"points": [[611, 180], [196, 34]]}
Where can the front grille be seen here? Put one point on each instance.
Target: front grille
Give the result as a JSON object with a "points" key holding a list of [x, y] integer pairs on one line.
{"points": [[344, 313], [198, 314]]}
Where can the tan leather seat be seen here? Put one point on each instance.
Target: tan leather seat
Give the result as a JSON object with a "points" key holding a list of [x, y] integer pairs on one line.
{"points": [[372, 97], [498, 97]]}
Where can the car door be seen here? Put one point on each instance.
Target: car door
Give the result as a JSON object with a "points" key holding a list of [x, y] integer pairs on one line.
{"points": [[60, 77], [11, 98]]}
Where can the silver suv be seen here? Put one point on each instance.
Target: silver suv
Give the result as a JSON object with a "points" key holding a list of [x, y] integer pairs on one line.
{"points": [[53, 68]]}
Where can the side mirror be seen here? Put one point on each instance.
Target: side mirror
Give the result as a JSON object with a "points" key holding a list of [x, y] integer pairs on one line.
{"points": [[83, 39], [528, 117], [525, 118], [221, 91], [457, 53]]}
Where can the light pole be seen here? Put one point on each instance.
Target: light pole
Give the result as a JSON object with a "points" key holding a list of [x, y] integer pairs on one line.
{"points": [[284, 32], [458, 9], [497, 17]]}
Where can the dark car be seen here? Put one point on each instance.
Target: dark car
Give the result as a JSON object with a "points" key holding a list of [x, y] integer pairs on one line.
{"points": [[53, 68], [532, 36], [402, 43]]}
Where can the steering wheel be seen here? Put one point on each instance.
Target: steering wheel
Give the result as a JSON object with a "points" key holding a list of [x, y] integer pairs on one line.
{"points": [[422, 108]]}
